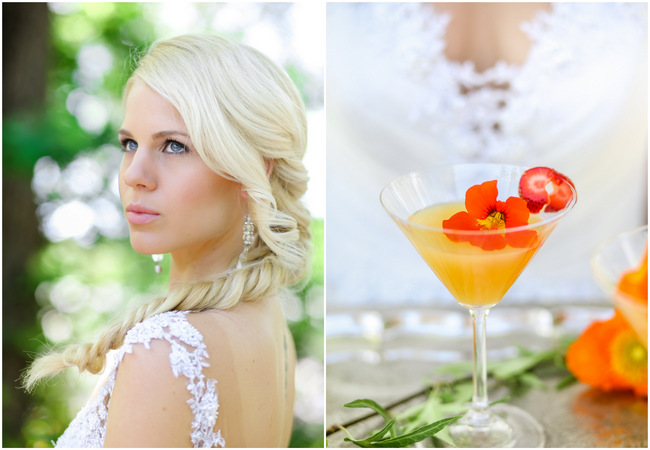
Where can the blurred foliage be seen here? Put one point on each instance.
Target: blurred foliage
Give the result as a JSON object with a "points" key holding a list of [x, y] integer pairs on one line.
{"points": [[77, 286]]}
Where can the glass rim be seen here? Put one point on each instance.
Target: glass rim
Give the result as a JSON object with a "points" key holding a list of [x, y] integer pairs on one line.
{"points": [[597, 253], [610, 240], [555, 216]]}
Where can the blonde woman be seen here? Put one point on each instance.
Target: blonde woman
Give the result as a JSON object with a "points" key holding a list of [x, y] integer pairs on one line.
{"points": [[213, 137]]}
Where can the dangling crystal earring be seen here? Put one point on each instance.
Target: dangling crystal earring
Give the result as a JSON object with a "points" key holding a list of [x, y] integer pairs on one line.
{"points": [[157, 259], [248, 237]]}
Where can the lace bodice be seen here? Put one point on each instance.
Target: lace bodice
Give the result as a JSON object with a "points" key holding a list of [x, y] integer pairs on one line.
{"points": [[188, 356], [486, 115], [396, 103]]}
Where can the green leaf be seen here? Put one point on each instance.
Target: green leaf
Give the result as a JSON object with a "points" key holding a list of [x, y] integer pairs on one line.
{"points": [[412, 413], [515, 366], [463, 391], [381, 433], [375, 437], [531, 380], [566, 382], [501, 400], [367, 403], [362, 443], [443, 439], [523, 351], [417, 435], [431, 411]]}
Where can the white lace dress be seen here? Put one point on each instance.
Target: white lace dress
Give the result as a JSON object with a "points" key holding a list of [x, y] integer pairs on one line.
{"points": [[396, 104], [187, 358]]}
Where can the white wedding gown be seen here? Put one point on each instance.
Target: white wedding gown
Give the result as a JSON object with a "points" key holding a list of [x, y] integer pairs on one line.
{"points": [[187, 358], [395, 104]]}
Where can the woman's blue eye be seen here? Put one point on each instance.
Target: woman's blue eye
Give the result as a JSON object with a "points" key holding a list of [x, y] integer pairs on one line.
{"points": [[129, 145], [176, 147]]}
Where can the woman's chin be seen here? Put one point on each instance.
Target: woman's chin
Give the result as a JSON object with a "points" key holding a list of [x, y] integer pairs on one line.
{"points": [[147, 248]]}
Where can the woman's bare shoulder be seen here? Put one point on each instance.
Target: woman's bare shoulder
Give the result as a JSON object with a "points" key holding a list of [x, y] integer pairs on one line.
{"points": [[147, 401], [251, 356], [249, 332], [245, 319]]}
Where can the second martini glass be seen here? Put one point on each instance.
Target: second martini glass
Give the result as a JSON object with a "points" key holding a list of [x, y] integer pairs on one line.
{"points": [[615, 257], [477, 267]]}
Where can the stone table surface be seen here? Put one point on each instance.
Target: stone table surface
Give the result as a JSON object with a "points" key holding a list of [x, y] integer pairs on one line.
{"points": [[389, 357]]}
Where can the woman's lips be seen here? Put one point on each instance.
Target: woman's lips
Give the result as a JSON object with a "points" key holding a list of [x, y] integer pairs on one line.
{"points": [[140, 215]]}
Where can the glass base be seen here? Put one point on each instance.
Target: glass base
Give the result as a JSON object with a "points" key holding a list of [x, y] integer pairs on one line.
{"points": [[502, 426]]}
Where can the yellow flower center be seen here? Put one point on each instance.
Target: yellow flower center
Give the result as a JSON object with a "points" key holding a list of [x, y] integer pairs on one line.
{"points": [[629, 357], [496, 220]]}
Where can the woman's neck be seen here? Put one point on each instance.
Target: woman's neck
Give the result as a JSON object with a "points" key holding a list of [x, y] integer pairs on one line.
{"points": [[204, 262], [486, 33]]}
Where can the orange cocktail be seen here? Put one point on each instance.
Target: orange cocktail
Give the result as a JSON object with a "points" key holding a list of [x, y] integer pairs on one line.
{"points": [[472, 275]]}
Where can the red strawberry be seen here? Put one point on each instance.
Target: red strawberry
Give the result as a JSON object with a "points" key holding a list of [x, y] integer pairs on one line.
{"points": [[561, 196], [532, 187], [541, 186]]}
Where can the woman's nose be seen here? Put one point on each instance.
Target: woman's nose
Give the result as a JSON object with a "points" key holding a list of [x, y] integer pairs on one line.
{"points": [[138, 170]]}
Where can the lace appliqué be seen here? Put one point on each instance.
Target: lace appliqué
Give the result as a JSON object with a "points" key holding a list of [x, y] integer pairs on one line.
{"points": [[188, 356], [484, 116]]}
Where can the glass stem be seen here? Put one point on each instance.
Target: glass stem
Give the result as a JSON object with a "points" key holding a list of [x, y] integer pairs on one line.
{"points": [[480, 398]]}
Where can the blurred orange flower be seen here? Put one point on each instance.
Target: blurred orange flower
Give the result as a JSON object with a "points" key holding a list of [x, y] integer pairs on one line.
{"points": [[634, 282], [609, 356]]}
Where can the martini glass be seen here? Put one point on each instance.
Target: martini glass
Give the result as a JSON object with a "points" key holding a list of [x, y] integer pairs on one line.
{"points": [[611, 260], [478, 279]]}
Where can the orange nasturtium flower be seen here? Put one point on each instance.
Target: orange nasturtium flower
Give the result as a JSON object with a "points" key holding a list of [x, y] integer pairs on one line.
{"points": [[609, 356], [485, 212]]}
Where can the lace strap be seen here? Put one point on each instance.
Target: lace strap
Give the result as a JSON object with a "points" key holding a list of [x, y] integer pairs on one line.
{"points": [[188, 356]]}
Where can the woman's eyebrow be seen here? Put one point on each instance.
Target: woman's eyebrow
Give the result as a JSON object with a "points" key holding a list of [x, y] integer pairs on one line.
{"points": [[158, 134]]}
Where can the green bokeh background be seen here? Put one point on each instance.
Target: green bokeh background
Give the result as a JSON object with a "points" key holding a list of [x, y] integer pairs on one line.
{"points": [[99, 275]]}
